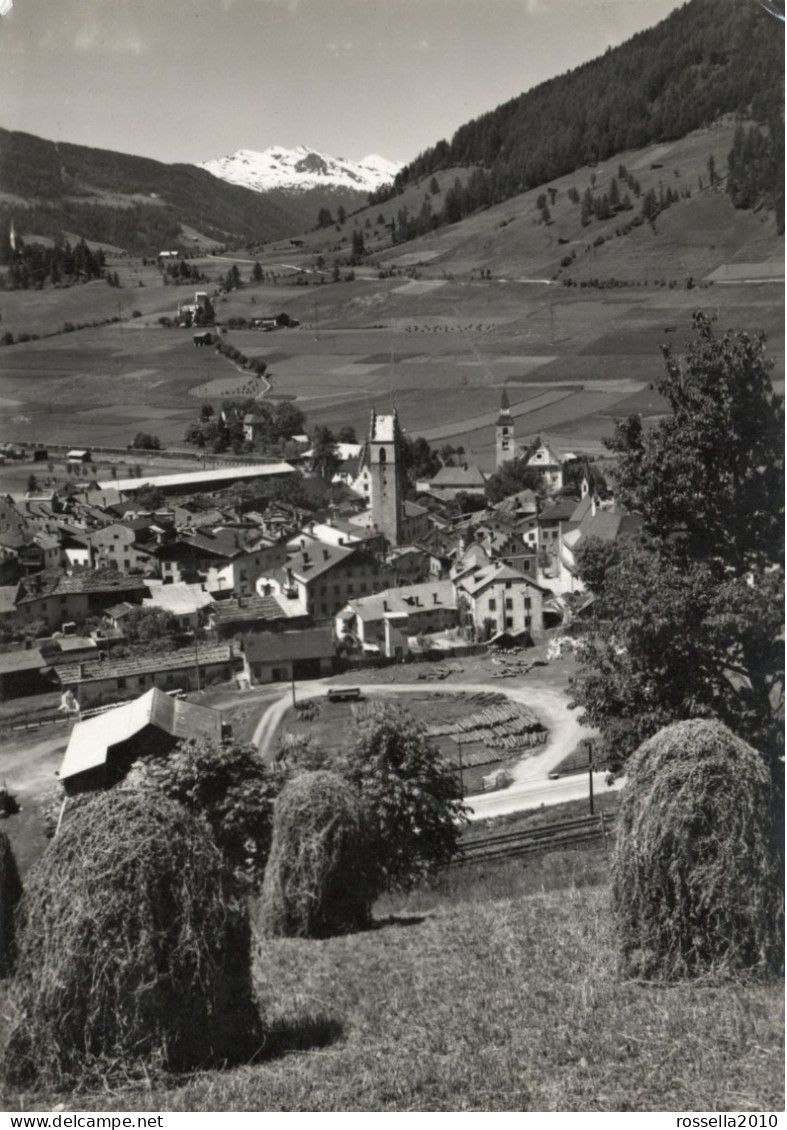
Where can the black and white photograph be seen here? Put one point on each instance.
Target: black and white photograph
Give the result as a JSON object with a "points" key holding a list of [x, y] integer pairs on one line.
{"points": [[392, 560]]}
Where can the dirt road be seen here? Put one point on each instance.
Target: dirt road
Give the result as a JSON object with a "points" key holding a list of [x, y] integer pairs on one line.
{"points": [[530, 787]]}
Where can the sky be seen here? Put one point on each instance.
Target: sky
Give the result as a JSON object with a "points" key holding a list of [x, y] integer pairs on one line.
{"points": [[191, 80]]}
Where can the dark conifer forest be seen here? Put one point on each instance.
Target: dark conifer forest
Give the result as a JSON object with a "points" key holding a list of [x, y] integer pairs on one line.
{"points": [[707, 59]]}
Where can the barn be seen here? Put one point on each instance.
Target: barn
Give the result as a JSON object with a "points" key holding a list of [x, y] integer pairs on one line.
{"points": [[101, 750]]}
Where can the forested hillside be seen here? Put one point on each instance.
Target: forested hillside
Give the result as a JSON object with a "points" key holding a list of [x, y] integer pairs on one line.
{"points": [[709, 58], [132, 202]]}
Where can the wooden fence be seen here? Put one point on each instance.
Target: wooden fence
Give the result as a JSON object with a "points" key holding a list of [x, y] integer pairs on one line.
{"points": [[532, 841]]}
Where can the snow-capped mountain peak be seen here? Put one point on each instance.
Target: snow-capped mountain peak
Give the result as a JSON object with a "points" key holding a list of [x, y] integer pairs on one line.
{"points": [[301, 168]]}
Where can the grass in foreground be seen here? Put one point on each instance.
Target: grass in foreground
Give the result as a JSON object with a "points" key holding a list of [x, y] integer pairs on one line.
{"points": [[496, 992]]}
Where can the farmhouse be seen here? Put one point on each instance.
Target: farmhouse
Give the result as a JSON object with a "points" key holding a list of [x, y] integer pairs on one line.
{"points": [[188, 669], [503, 600], [220, 559], [101, 750], [272, 657], [182, 601], [56, 598], [428, 607], [243, 614], [322, 578]]}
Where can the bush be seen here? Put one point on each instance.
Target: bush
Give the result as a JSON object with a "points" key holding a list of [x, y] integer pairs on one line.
{"points": [[231, 787], [412, 796], [10, 893], [133, 956], [697, 885], [316, 883]]}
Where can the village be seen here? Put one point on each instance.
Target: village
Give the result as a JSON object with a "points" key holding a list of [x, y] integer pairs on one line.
{"points": [[264, 591]]}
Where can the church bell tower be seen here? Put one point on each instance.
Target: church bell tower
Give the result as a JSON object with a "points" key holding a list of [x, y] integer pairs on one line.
{"points": [[386, 474]]}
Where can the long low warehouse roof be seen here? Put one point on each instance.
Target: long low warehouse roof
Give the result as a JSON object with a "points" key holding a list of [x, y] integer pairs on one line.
{"points": [[193, 478]]}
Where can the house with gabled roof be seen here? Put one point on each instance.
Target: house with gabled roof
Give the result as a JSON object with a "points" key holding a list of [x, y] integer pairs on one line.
{"points": [[101, 750], [270, 657], [503, 600], [187, 669], [320, 578]]}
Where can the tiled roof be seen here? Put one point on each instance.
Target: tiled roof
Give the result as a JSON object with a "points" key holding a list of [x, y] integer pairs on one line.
{"points": [[247, 608], [43, 584], [316, 559], [91, 671], [410, 598], [311, 643]]}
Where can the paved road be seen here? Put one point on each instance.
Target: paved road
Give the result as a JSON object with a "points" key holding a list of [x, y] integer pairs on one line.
{"points": [[530, 788]]}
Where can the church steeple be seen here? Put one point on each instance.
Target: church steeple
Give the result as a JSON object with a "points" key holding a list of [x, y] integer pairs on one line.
{"points": [[504, 433]]}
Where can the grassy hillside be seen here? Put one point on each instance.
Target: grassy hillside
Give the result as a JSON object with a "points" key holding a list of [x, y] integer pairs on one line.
{"points": [[131, 202], [707, 58], [496, 992]]}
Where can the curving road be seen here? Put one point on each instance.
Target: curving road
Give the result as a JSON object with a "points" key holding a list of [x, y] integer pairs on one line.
{"points": [[531, 786]]}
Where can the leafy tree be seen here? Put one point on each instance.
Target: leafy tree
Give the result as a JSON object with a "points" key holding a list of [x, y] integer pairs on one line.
{"points": [[710, 476], [257, 273], [418, 459], [687, 620], [412, 797], [230, 787], [144, 440], [325, 460], [511, 478], [347, 434], [151, 630]]}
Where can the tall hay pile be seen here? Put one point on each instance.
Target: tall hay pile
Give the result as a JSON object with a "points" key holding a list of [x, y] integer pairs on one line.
{"points": [[133, 957], [10, 893], [697, 883], [316, 881]]}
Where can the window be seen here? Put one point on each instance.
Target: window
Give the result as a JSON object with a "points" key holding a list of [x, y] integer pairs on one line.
{"points": [[337, 590], [492, 604], [508, 584], [528, 602], [141, 680], [125, 563], [509, 603], [363, 586], [509, 621], [121, 682]]}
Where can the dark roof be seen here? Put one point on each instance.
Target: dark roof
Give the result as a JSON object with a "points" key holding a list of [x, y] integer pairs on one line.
{"points": [[44, 584], [92, 671], [311, 643], [559, 511], [24, 659], [247, 608]]}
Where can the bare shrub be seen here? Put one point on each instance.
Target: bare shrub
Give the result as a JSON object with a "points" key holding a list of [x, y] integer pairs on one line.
{"points": [[316, 881], [133, 957], [696, 868]]}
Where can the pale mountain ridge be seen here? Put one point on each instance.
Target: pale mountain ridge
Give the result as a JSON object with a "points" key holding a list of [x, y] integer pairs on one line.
{"points": [[300, 170]]}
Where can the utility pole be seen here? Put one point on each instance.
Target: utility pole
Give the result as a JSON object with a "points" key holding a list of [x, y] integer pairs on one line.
{"points": [[590, 772], [196, 654]]}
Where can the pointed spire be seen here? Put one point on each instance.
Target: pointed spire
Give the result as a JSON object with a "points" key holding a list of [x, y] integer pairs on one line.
{"points": [[504, 419]]}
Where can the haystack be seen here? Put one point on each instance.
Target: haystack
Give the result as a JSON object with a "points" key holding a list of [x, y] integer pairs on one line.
{"points": [[10, 893], [697, 886], [316, 882], [133, 957]]}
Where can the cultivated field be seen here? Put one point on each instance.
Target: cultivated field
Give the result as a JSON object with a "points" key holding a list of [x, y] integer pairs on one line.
{"points": [[419, 324]]}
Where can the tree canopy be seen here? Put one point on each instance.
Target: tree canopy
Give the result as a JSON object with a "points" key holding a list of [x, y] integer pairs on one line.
{"points": [[687, 620]]}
